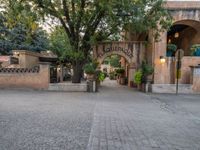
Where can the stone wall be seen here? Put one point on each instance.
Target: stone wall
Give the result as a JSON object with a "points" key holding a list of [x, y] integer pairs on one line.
{"points": [[25, 78]]}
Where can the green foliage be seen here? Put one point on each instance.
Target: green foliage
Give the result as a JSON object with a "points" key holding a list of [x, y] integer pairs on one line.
{"points": [[101, 76], [138, 77], [120, 71], [141, 75], [59, 42], [19, 28], [146, 69], [86, 22], [89, 68], [114, 61], [171, 47], [112, 75], [195, 50], [95, 63]]}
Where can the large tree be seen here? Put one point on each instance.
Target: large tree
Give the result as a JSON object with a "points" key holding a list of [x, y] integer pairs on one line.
{"points": [[88, 21]]}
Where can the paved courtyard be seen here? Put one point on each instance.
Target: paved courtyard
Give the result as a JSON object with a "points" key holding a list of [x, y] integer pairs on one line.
{"points": [[116, 118]]}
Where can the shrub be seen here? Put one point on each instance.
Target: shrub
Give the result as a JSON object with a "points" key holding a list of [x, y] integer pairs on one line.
{"points": [[195, 50], [147, 69], [171, 48], [89, 68], [101, 76], [112, 75], [138, 77], [120, 71]]}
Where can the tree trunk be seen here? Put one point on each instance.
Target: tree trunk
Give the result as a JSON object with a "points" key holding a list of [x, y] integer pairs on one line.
{"points": [[77, 73]]}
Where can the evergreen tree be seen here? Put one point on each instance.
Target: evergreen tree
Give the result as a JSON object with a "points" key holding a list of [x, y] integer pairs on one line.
{"points": [[20, 29]]}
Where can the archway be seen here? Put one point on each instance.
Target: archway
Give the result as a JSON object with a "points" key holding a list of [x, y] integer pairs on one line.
{"points": [[112, 64], [184, 34], [133, 52]]}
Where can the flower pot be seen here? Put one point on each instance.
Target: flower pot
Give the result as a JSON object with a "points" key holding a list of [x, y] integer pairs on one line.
{"points": [[150, 78], [122, 81], [139, 87], [90, 76]]}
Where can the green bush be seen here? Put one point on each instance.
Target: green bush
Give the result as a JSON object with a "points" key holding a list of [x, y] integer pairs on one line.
{"points": [[138, 77], [89, 68], [171, 48], [95, 63], [101, 76], [147, 69], [112, 75], [120, 71], [195, 50]]}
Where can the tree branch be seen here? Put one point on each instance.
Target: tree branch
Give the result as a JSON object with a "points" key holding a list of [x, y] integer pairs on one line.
{"points": [[66, 13], [81, 14]]}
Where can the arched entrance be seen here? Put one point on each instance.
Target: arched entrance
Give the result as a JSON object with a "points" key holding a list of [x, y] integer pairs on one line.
{"points": [[184, 34], [132, 52], [112, 64]]}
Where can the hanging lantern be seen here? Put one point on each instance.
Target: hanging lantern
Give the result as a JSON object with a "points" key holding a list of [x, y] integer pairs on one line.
{"points": [[169, 41], [176, 35]]}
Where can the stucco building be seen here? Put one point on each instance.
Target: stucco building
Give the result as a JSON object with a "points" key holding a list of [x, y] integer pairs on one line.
{"points": [[184, 33]]}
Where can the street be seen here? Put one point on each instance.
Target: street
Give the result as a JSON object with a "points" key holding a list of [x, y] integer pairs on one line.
{"points": [[115, 118]]}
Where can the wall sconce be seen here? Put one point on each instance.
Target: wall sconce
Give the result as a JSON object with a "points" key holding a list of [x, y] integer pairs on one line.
{"points": [[169, 41], [176, 35], [162, 59]]}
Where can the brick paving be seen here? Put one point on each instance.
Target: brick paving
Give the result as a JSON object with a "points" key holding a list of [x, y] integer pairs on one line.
{"points": [[128, 120], [116, 118]]}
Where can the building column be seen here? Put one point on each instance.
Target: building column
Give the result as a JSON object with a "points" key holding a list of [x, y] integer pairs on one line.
{"points": [[161, 70], [132, 70]]}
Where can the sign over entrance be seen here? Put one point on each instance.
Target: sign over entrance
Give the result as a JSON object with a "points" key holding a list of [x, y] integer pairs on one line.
{"points": [[129, 50], [126, 49]]}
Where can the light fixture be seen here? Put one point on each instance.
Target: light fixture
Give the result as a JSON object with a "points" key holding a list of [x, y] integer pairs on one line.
{"points": [[176, 35], [162, 59], [16, 53], [169, 41]]}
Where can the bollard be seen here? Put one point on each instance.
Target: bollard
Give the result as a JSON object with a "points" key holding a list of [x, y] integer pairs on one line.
{"points": [[91, 86]]}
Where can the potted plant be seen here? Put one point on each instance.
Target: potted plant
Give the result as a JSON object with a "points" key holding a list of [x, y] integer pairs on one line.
{"points": [[143, 76], [171, 49], [138, 78], [147, 71], [120, 72], [147, 76], [195, 50], [90, 71], [100, 76]]}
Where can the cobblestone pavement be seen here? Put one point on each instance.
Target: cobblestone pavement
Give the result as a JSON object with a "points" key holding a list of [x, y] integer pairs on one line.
{"points": [[128, 120], [32, 120], [116, 118]]}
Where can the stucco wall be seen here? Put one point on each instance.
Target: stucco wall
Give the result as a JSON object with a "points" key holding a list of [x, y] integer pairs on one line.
{"points": [[38, 80], [195, 78], [27, 59], [186, 70]]}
